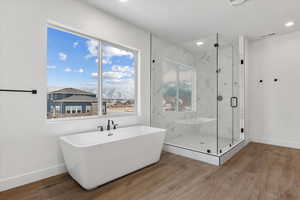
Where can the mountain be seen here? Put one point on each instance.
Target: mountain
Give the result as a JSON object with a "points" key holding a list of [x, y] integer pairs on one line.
{"points": [[118, 93]]}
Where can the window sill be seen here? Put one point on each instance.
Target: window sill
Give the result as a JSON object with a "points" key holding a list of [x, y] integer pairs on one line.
{"points": [[69, 119]]}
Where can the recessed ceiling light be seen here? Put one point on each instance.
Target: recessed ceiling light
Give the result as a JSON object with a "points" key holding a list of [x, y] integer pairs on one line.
{"points": [[199, 43], [123, 1], [289, 24]]}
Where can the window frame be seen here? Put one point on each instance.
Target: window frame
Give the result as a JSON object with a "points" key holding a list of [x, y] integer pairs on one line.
{"points": [[100, 41], [177, 66]]}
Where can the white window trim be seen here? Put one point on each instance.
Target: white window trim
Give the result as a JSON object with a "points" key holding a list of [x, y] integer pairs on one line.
{"points": [[100, 63]]}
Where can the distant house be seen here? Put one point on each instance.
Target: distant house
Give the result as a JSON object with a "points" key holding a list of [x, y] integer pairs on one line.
{"points": [[70, 101]]}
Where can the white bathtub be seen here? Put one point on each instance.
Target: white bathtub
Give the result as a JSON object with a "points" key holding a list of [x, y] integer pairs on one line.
{"points": [[94, 158]]}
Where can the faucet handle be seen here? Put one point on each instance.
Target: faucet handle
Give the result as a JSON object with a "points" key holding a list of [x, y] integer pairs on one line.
{"points": [[115, 126], [100, 128]]}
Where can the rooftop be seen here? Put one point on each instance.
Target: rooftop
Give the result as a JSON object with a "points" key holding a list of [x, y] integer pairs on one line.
{"points": [[71, 91], [77, 98]]}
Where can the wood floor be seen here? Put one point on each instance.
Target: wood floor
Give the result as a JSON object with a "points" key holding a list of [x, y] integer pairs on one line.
{"points": [[259, 171]]}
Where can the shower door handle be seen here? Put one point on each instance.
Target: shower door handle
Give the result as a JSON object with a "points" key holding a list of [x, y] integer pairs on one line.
{"points": [[234, 102]]}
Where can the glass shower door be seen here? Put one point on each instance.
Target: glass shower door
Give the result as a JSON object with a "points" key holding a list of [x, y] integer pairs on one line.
{"points": [[229, 92], [238, 84]]}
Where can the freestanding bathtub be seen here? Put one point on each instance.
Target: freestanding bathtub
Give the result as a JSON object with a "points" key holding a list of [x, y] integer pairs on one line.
{"points": [[95, 158]]}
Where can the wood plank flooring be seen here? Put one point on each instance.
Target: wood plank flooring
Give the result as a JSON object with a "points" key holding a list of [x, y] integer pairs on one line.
{"points": [[258, 172]]}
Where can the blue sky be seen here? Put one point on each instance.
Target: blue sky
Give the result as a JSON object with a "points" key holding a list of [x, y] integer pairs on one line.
{"points": [[73, 62]]}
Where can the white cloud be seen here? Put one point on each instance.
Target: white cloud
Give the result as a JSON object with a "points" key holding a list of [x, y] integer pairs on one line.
{"points": [[81, 70], [96, 60], [68, 69], [124, 82], [75, 44], [51, 67], [113, 75], [124, 71], [119, 83], [110, 51], [94, 74], [62, 56], [119, 89], [93, 46], [106, 61], [122, 68]]}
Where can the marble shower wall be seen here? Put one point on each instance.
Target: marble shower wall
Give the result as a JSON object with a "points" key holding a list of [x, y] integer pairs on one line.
{"points": [[202, 120]]}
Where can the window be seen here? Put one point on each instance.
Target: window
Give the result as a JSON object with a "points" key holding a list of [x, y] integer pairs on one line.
{"points": [[68, 109], [79, 85], [178, 87], [185, 88], [57, 108], [73, 109], [169, 87], [72, 65], [118, 79], [88, 109]]}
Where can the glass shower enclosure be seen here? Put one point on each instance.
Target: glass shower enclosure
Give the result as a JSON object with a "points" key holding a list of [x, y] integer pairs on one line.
{"points": [[197, 92]]}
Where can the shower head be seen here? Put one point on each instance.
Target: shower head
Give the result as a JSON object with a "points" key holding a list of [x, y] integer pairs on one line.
{"points": [[236, 2]]}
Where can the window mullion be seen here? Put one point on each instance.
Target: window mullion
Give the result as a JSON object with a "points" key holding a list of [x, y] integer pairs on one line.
{"points": [[100, 78]]}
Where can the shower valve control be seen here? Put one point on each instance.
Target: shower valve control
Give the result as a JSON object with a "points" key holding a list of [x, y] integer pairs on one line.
{"points": [[220, 98]]}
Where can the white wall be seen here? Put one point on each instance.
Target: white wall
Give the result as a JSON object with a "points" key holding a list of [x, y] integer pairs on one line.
{"points": [[274, 106], [28, 142]]}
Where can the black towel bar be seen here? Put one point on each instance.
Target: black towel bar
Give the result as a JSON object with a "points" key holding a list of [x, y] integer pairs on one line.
{"points": [[31, 91]]}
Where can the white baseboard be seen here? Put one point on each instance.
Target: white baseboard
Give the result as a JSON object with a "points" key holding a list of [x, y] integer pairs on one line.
{"points": [[281, 143], [23, 179], [214, 160], [232, 152]]}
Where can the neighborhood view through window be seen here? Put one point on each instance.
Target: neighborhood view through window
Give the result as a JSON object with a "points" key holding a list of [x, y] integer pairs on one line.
{"points": [[74, 78]]}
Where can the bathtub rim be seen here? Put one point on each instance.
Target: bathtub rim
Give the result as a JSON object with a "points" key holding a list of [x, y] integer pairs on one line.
{"points": [[67, 141]]}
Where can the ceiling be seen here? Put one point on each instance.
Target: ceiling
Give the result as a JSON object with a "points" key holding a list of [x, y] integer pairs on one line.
{"points": [[184, 21]]}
